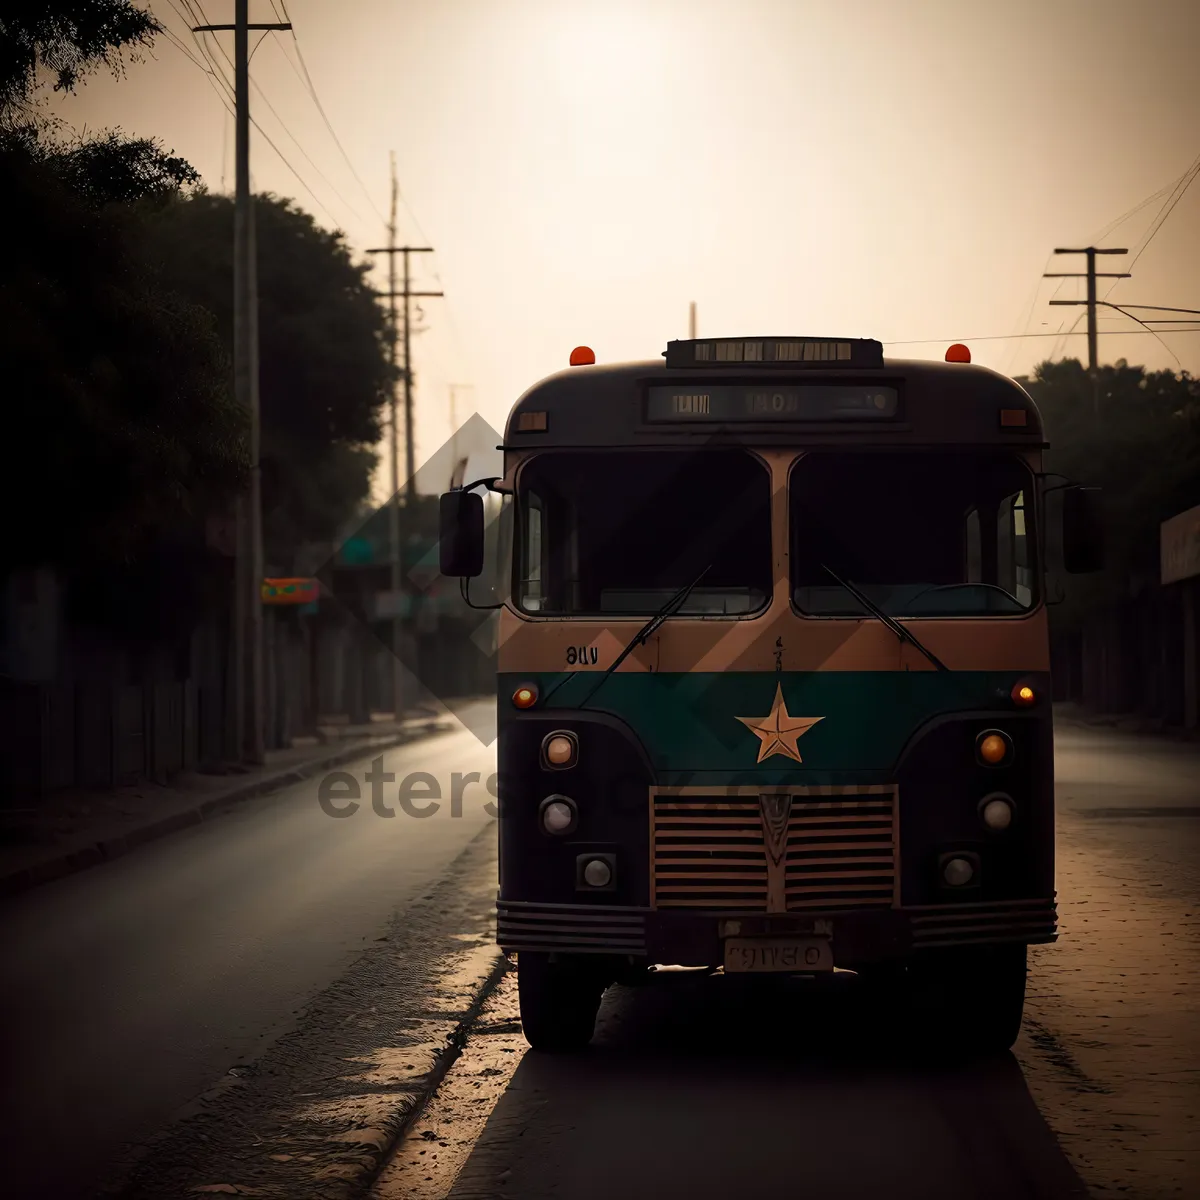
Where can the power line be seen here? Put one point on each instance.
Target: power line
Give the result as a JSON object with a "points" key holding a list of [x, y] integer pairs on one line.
{"points": [[215, 71], [1147, 327], [1001, 337], [312, 91], [1176, 194], [321, 174], [1190, 178]]}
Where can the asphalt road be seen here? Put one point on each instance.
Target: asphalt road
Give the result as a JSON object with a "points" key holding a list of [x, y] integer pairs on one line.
{"points": [[714, 1088], [130, 988]]}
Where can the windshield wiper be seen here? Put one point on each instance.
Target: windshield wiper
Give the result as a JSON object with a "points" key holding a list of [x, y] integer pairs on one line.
{"points": [[899, 630], [672, 606]]}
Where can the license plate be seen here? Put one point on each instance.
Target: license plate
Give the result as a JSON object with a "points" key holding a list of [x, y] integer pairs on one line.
{"points": [[778, 954]]}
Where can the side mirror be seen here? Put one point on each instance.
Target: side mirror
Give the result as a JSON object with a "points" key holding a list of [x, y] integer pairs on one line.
{"points": [[1083, 531], [460, 546]]}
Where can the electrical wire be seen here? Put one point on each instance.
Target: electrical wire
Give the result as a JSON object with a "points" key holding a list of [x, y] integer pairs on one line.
{"points": [[1176, 194], [306, 79], [1000, 337], [218, 72], [1147, 327]]}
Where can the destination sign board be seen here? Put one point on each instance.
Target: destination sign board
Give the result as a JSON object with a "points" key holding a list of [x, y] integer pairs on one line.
{"points": [[772, 402]]}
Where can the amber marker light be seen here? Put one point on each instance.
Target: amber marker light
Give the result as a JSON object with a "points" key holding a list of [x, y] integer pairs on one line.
{"points": [[1023, 695], [993, 747], [525, 696], [583, 356], [958, 353]]}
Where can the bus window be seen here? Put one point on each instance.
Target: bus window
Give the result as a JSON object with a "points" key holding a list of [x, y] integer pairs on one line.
{"points": [[920, 534], [974, 548], [1013, 566], [621, 533], [530, 589]]}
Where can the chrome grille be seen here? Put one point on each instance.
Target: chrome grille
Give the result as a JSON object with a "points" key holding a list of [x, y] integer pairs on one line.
{"points": [[709, 850]]}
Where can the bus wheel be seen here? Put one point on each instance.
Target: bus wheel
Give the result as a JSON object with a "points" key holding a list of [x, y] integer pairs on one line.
{"points": [[969, 1001], [559, 1001]]}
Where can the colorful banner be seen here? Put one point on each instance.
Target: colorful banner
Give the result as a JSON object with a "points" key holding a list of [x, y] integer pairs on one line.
{"points": [[290, 591]]}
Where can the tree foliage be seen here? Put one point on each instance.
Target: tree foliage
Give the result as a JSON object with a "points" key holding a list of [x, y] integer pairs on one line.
{"points": [[115, 385], [323, 369], [67, 38], [1140, 444]]}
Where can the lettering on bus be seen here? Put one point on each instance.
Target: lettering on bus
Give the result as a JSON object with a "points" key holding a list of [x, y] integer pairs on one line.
{"points": [[582, 656], [693, 404], [771, 402]]}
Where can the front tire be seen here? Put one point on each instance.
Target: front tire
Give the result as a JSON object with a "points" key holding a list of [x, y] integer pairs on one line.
{"points": [[559, 1001], [969, 1001]]}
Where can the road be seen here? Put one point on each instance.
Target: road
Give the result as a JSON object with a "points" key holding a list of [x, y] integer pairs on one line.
{"points": [[713, 1088], [130, 988]]}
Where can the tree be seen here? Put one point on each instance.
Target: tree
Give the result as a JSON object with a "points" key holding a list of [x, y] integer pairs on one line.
{"points": [[323, 373], [115, 385], [1142, 448], [68, 38]]}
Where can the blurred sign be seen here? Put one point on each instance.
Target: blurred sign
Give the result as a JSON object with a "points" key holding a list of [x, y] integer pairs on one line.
{"points": [[1181, 546], [357, 551], [391, 604], [290, 591]]}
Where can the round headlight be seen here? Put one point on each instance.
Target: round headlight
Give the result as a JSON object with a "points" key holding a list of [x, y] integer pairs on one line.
{"points": [[996, 812], [558, 814], [560, 750], [993, 747], [1023, 696], [958, 872], [597, 873], [525, 696]]}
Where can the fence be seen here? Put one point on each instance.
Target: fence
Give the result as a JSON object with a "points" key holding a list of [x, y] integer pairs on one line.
{"points": [[1137, 659]]}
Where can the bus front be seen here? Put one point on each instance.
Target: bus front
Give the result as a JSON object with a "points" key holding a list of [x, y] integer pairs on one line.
{"points": [[774, 685]]}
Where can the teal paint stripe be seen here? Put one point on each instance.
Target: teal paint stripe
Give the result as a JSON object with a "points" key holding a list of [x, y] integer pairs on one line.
{"points": [[688, 721]]}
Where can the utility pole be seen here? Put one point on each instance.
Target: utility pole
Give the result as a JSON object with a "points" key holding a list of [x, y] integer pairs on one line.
{"points": [[692, 321], [396, 581], [1091, 275], [407, 294], [250, 698]]}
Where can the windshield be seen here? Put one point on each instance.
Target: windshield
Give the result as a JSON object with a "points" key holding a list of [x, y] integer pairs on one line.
{"points": [[621, 533], [919, 534]]}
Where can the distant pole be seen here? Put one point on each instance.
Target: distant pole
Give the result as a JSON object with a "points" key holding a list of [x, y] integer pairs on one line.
{"points": [[249, 694], [396, 580], [394, 504], [692, 321], [1091, 276]]}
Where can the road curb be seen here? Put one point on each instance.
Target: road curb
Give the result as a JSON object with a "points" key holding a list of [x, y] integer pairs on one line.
{"points": [[388, 1137], [80, 859]]}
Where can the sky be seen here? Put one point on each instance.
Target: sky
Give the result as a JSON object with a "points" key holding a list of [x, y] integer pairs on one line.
{"points": [[584, 169]]}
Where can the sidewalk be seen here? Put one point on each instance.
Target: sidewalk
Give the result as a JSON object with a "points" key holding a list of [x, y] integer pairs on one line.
{"points": [[72, 830], [1070, 713]]}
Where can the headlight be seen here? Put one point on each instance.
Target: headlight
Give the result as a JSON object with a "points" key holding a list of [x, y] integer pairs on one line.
{"points": [[994, 748], [958, 872], [597, 873], [996, 811], [560, 750], [558, 815]]}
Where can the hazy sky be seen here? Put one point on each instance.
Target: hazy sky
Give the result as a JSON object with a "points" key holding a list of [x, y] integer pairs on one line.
{"points": [[585, 168]]}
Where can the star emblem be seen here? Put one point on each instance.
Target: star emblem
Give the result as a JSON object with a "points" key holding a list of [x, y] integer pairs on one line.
{"points": [[778, 732]]}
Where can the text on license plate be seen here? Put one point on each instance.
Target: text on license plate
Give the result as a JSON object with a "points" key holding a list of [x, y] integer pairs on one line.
{"points": [[778, 954]]}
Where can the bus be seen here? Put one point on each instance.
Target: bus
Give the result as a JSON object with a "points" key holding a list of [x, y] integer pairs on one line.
{"points": [[774, 676]]}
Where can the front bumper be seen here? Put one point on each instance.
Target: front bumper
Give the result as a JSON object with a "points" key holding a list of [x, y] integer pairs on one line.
{"points": [[860, 937]]}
